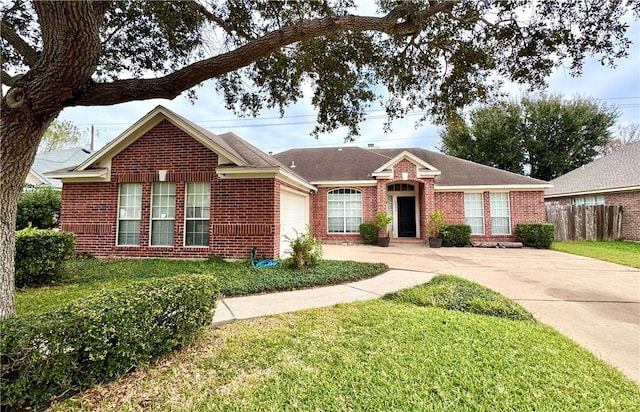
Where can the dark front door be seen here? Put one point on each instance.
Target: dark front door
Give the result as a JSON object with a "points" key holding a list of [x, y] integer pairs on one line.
{"points": [[406, 217]]}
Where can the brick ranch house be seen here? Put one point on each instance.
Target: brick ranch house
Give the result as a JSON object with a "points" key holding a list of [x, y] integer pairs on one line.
{"points": [[169, 188]]}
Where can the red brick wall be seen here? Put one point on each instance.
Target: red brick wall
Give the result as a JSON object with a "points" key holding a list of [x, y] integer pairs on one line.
{"points": [[318, 212], [244, 212], [630, 202]]}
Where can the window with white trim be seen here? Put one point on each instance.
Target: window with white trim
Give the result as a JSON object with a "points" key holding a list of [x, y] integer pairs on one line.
{"points": [[588, 200], [163, 213], [474, 212], [500, 213], [129, 211], [344, 211], [197, 213]]}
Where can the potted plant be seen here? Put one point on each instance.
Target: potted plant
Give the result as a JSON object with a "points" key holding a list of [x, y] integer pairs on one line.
{"points": [[436, 222], [382, 221]]}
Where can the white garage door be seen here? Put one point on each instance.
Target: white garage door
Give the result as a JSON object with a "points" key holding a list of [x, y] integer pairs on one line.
{"points": [[294, 216]]}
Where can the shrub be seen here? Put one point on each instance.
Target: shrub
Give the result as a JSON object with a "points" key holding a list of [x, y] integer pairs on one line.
{"points": [[39, 207], [101, 337], [454, 293], [538, 235], [40, 255], [369, 233], [456, 235], [436, 223], [305, 250]]}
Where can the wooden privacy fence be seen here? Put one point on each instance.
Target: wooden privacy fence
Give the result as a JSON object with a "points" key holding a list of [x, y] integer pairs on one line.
{"points": [[579, 222]]}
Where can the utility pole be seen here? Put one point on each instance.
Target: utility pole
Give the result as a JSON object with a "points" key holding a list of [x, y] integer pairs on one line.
{"points": [[92, 138]]}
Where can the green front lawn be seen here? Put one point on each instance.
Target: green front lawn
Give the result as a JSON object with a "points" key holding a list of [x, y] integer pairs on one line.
{"points": [[83, 277], [376, 355], [621, 252]]}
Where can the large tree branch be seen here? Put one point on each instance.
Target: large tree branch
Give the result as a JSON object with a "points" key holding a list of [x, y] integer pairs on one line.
{"points": [[168, 87], [9, 80], [19, 44]]}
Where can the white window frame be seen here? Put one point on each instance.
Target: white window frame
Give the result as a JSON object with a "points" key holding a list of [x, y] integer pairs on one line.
{"points": [[123, 215], [167, 218], [205, 209], [344, 209], [468, 210], [588, 200], [497, 208]]}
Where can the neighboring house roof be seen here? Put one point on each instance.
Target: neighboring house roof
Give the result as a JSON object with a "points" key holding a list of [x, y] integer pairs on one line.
{"points": [[55, 160], [354, 164], [617, 171]]}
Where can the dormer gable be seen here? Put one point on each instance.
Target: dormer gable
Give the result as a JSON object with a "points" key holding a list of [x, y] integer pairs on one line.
{"points": [[417, 167]]}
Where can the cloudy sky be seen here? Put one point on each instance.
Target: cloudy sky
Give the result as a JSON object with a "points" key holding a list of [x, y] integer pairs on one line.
{"points": [[619, 87]]}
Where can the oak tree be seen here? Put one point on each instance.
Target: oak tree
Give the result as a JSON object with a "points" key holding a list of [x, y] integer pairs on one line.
{"points": [[434, 55], [542, 137]]}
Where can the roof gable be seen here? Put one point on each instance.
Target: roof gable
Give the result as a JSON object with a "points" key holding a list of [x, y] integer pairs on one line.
{"points": [[102, 158], [424, 169]]}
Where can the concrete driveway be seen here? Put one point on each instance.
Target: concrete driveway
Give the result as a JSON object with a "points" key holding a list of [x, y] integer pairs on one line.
{"points": [[595, 303]]}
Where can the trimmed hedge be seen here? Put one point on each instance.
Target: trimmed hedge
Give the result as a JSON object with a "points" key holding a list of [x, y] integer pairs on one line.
{"points": [[456, 235], [369, 233], [538, 235], [40, 255], [90, 341]]}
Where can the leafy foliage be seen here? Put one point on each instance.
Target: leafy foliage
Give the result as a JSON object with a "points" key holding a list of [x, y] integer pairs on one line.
{"points": [[369, 233], [405, 49], [537, 235], [545, 137], [40, 255], [306, 251], [456, 235], [454, 293], [436, 223], [61, 134], [39, 207], [101, 337]]}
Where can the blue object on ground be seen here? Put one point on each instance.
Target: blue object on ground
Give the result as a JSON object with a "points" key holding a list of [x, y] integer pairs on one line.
{"points": [[262, 263]]}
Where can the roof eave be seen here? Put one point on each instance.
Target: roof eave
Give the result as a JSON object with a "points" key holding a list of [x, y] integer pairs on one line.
{"points": [[89, 175], [510, 187], [263, 173], [593, 192]]}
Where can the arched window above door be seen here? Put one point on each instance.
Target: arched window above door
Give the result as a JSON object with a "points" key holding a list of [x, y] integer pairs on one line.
{"points": [[401, 187]]}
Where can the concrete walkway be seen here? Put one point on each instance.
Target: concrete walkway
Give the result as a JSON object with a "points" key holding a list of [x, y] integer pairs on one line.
{"points": [[595, 303]]}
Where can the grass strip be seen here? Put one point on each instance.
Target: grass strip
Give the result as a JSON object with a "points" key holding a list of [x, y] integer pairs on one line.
{"points": [[621, 252]]}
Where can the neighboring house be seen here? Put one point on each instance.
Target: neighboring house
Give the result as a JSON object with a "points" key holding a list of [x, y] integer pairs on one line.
{"points": [[610, 180], [167, 187], [51, 161]]}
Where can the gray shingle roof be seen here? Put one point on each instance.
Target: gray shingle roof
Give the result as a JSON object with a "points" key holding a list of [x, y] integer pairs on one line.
{"points": [[57, 160], [617, 170], [355, 163]]}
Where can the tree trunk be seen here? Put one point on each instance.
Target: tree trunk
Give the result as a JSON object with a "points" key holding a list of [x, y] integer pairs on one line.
{"points": [[21, 134], [59, 73]]}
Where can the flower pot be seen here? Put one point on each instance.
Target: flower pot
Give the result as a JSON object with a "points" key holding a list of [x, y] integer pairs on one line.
{"points": [[435, 242], [383, 241]]}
